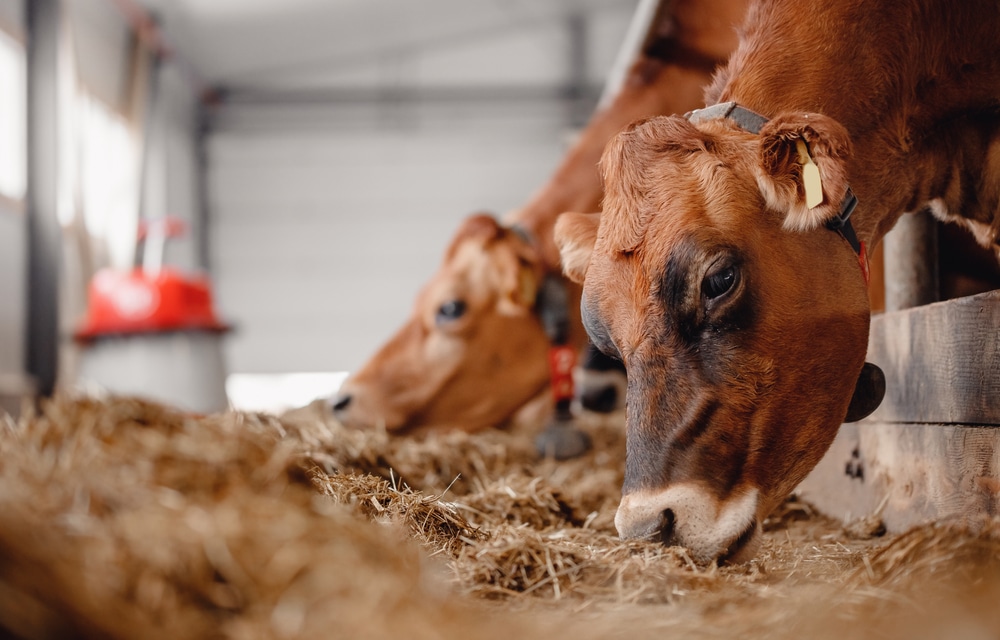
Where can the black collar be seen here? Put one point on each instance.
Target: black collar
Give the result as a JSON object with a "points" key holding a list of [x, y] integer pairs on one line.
{"points": [[754, 122], [552, 299]]}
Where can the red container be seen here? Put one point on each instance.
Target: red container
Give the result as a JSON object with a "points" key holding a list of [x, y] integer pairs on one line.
{"points": [[131, 302]]}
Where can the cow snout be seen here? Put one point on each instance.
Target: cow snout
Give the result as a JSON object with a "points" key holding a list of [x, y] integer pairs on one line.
{"points": [[656, 526], [690, 516], [639, 520], [355, 406]]}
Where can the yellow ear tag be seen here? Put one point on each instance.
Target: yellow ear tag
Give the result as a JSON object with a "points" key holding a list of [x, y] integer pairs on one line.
{"points": [[528, 287], [810, 176]]}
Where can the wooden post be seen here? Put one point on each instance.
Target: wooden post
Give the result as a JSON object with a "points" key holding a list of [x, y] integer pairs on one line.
{"points": [[44, 234], [911, 262]]}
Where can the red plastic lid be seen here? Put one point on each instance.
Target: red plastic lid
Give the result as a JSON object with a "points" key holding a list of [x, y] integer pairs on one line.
{"points": [[124, 302]]}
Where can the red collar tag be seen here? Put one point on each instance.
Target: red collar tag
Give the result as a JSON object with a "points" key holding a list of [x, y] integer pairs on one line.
{"points": [[562, 359], [863, 261]]}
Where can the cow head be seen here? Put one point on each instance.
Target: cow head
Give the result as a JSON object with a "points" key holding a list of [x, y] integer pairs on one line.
{"points": [[742, 321], [473, 351]]}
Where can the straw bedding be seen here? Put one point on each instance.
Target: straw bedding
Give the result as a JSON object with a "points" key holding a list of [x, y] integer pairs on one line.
{"points": [[126, 519]]}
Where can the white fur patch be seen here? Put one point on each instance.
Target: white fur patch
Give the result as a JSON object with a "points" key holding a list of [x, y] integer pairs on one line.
{"points": [[703, 525], [798, 217]]}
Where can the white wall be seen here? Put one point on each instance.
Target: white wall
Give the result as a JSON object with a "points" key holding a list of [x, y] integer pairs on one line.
{"points": [[322, 235], [13, 244], [13, 247], [327, 218], [12, 15]]}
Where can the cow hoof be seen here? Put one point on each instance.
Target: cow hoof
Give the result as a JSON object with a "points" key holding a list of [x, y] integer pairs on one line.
{"points": [[562, 442]]}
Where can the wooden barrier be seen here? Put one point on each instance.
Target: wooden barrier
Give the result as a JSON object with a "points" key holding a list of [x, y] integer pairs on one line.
{"points": [[932, 449]]}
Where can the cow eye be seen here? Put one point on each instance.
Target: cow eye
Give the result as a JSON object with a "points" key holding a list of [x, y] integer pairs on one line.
{"points": [[449, 311], [718, 283]]}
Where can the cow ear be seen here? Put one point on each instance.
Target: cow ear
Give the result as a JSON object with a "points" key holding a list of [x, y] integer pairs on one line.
{"points": [[803, 162], [575, 234], [519, 268], [520, 288]]}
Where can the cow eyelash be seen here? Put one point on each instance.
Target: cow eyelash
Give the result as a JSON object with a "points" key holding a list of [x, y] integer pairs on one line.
{"points": [[720, 282]]}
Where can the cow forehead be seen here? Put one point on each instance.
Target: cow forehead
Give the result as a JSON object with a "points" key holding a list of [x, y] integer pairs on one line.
{"points": [[678, 194], [686, 210], [473, 270]]}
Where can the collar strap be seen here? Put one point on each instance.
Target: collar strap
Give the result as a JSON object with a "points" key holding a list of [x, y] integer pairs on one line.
{"points": [[552, 308], [754, 122], [747, 119], [552, 299], [523, 234]]}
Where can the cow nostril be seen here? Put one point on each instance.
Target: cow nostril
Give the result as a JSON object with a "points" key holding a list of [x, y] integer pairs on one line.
{"points": [[340, 402], [667, 527]]}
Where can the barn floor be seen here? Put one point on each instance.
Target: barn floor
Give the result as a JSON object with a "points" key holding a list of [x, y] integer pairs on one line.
{"points": [[126, 519]]}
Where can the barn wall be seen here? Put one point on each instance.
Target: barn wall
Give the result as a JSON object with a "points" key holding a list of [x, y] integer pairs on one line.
{"points": [[322, 235], [13, 244], [328, 217], [12, 15], [13, 248]]}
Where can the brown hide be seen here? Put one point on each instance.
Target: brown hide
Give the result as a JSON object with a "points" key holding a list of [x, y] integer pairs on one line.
{"points": [[741, 318], [425, 376]]}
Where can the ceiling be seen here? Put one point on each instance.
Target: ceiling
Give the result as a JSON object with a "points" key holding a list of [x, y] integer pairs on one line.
{"points": [[257, 43]]}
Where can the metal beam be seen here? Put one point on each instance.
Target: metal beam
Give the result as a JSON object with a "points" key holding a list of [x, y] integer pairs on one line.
{"points": [[645, 21], [398, 95], [203, 213], [578, 65], [331, 36], [44, 234]]}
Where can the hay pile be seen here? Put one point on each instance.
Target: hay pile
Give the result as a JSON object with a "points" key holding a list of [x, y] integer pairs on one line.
{"points": [[125, 519]]}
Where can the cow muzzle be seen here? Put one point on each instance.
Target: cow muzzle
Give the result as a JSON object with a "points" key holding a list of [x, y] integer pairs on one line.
{"points": [[689, 516], [355, 406]]}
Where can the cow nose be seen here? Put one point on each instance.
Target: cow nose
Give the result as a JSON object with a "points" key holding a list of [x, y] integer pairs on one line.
{"points": [[657, 526], [687, 515], [341, 402]]}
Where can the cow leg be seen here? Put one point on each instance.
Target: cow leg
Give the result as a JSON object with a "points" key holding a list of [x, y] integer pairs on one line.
{"points": [[601, 386], [562, 439]]}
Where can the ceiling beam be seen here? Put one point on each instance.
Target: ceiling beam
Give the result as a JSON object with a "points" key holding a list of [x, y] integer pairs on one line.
{"points": [[251, 47]]}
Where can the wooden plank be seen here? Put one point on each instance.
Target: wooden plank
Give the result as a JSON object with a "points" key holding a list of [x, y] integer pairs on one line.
{"points": [[941, 362], [911, 262], [909, 473]]}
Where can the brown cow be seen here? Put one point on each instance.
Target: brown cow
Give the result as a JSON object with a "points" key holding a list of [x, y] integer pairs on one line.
{"points": [[713, 272], [474, 351]]}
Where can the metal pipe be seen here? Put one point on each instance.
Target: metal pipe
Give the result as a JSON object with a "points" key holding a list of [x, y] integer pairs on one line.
{"points": [[41, 195]]}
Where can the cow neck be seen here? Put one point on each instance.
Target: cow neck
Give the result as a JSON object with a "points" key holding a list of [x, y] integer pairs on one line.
{"points": [[670, 50], [753, 122], [552, 308]]}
